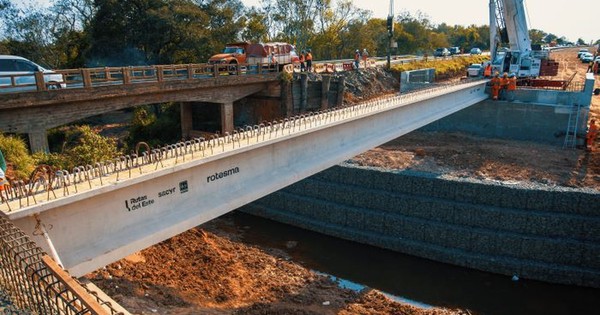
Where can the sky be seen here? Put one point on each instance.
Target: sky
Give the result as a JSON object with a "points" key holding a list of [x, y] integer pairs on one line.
{"points": [[573, 18]]}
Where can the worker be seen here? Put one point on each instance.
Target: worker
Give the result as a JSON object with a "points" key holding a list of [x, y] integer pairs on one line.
{"points": [[357, 59], [487, 72], [309, 58], [302, 64], [595, 67], [503, 86], [495, 82], [591, 135], [3, 180], [512, 86], [365, 56], [273, 61]]}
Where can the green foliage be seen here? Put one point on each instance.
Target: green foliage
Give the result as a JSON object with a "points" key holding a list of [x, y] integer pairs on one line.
{"points": [[84, 146], [16, 153], [155, 125], [449, 67]]}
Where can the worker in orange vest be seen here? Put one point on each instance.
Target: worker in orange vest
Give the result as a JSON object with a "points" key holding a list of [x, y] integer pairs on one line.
{"points": [[357, 59], [495, 82], [309, 58], [512, 86], [487, 72], [591, 135], [503, 86]]}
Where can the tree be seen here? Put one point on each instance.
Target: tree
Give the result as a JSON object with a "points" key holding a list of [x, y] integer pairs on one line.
{"points": [[537, 36]]}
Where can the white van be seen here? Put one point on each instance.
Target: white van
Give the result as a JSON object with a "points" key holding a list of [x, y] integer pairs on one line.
{"points": [[17, 75]]}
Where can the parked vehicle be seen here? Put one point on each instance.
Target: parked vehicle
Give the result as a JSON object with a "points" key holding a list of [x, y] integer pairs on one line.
{"points": [[475, 51], [441, 52], [18, 74], [581, 51], [587, 57], [475, 70], [454, 50]]}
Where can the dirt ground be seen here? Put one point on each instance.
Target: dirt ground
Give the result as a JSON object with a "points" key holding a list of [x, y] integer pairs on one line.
{"points": [[209, 270]]}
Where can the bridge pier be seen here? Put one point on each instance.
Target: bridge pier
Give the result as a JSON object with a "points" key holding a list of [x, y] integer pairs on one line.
{"points": [[38, 141], [227, 117], [186, 119]]}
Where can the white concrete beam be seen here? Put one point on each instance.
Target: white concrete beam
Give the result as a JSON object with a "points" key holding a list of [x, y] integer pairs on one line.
{"points": [[97, 227]]}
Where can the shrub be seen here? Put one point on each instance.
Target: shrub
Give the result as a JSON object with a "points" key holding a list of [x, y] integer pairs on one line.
{"points": [[155, 124], [16, 154], [84, 146]]}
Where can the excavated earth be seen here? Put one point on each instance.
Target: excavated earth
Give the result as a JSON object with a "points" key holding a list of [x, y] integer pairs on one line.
{"points": [[210, 270]]}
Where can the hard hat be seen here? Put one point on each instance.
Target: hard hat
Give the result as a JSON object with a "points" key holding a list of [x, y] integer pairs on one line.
{"points": [[357, 50], [512, 75], [505, 74]]}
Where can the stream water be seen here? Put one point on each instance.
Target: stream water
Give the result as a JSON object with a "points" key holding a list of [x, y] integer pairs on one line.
{"points": [[414, 280]]}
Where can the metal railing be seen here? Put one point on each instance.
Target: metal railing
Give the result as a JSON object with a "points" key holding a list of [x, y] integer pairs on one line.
{"points": [[35, 284], [47, 184]]}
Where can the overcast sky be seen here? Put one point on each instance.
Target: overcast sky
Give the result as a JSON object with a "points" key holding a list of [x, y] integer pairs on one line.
{"points": [[572, 19]]}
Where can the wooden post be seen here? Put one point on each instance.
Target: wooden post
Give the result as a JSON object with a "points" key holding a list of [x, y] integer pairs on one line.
{"points": [[39, 81], [325, 91], [87, 79], [215, 70], [82, 295]]}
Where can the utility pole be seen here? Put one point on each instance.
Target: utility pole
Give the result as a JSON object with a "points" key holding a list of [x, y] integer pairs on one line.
{"points": [[390, 29]]}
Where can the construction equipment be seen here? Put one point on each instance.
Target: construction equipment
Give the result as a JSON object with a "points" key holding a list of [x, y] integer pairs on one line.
{"points": [[510, 45]]}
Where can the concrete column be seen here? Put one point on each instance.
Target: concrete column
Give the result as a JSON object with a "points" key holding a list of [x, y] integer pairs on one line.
{"points": [[38, 141], [227, 118], [287, 102], [186, 119], [303, 91], [326, 83], [340, 91]]}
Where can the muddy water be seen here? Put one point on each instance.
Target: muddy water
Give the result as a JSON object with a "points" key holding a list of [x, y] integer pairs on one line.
{"points": [[418, 281]]}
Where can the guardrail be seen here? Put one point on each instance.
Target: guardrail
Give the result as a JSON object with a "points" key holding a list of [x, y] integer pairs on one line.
{"points": [[47, 183], [34, 283]]}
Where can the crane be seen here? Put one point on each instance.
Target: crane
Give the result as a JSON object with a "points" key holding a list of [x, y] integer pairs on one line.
{"points": [[508, 26]]}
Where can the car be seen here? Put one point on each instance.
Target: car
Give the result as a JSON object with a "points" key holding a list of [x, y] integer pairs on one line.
{"points": [[441, 52], [475, 70], [587, 57], [454, 50], [17, 74], [475, 51], [581, 51]]}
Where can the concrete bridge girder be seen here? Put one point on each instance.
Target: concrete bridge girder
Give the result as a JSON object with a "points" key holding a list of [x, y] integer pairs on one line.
{"points": [[100, 226]]}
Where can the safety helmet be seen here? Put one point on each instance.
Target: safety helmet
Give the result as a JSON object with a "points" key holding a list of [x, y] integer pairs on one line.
{"points": [[357, 50], [505, 74], [512, 75]]}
